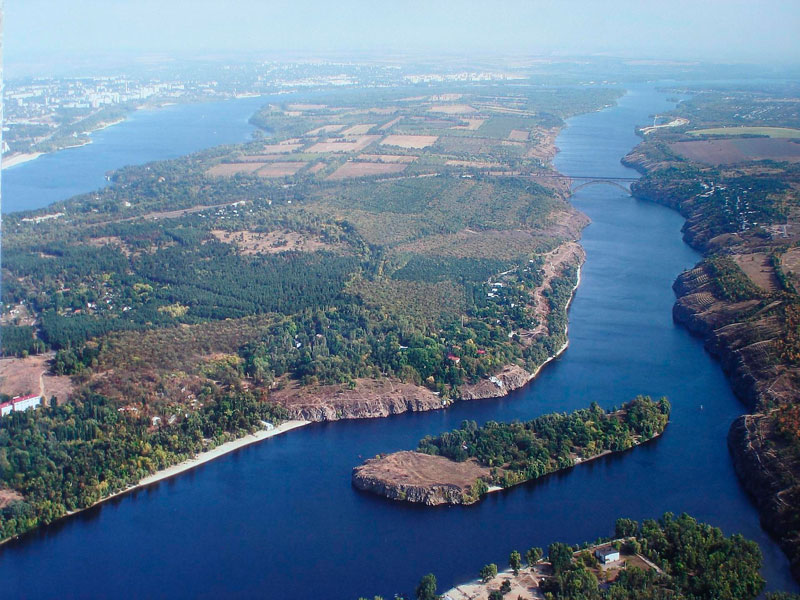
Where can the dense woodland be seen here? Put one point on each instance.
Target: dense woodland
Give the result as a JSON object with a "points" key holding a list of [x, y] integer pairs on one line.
{"points": [[64, 458], [519, 452]]}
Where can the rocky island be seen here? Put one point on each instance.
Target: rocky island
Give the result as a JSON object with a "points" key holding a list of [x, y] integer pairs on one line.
{"points": [[460, 466]]}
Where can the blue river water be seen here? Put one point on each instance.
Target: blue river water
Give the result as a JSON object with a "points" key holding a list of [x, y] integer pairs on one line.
{"points": [[146, 135], [280, 519]]}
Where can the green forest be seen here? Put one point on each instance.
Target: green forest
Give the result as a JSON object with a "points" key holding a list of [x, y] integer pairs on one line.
{"points": [[695, 561], [64, 458], [519, 452]]}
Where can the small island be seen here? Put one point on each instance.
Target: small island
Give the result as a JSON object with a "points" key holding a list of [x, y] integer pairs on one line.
{"points": [[461, 466]]}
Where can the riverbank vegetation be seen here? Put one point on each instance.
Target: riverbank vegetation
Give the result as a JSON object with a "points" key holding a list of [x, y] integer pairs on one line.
{"points": [[518, 452], [673, 557], [60, 459], [739, 195]]}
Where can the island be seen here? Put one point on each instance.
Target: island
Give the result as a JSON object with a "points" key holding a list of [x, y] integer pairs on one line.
{"points": [[461, 466]]}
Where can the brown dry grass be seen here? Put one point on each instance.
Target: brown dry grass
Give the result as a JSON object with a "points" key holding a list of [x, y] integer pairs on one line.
{"points": [[518, 135], [280, 169], [21, 376], [252, 242], [325, 129], [365, 169], [790, 262], [360, 129], [732, 151], [391, 123], [387, 158], [452, 109], [8, 496], [354, 145], [472, 124], [410, 141], [231, 169], [759, 269], [415, 468], [282, 148]]}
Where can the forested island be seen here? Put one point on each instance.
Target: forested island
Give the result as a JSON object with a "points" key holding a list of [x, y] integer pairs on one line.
{"points": [[363, 257], [674, 557], [461, 466], [730, 166]]}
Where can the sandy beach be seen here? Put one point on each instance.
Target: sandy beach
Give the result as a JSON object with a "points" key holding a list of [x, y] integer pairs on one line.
{"points": [[18, 159]]}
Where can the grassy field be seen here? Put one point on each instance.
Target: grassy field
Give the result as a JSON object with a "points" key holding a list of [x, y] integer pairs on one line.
{"points": [[773, 132]]}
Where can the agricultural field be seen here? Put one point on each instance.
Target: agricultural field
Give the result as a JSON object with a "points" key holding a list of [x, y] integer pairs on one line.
{"points": [[366, 169], [718, 152], [773, 132], [409, 141]]}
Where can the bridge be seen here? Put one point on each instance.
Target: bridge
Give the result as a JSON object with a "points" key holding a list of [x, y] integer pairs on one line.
{"points": [[587, 180]]}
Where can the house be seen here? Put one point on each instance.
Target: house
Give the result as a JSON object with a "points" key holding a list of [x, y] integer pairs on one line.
{"points": [[453, 358], [20, 403], [607, 555]]}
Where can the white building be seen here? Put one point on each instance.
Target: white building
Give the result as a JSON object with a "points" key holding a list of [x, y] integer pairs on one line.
{"points": [[20, 403], [606, 555]]}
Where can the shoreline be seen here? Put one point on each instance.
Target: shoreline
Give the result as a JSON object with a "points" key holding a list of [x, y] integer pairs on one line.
{"points": [[24, 157], [565, 345], [20, 158], [187, 465]]}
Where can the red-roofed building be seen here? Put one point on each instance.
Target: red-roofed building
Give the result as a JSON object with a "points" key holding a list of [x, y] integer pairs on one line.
{"points": [[20, 403]]}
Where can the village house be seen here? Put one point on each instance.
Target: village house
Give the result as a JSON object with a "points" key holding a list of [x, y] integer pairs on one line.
{"points": [[607, 555]]}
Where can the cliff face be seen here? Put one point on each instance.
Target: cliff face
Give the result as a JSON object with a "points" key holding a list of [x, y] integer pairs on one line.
{"points": [[371, 398], [743, 338], [420, 478], [430, 495], [509, 379]]}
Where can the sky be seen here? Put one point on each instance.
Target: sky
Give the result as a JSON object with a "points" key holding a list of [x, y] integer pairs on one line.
{"points": [[51, 33]]}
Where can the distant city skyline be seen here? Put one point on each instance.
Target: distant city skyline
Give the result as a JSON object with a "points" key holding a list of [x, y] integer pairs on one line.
{"points": [[47, 36]]}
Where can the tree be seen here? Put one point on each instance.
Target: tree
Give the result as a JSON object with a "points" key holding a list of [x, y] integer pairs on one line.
{"points": [[625, 528], [495, 595], [534, 555], [560, 556], [515, 562], [488, 572], [426, 590], [505, 587]]}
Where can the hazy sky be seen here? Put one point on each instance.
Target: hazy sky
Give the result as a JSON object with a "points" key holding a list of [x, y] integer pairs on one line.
{"points": [[49, 31]]}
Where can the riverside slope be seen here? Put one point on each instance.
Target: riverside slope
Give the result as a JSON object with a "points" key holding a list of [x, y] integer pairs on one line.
{"points": [[744, 337]]}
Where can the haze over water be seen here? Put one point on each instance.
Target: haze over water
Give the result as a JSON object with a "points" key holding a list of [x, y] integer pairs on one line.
{"points": [[280, 519]]}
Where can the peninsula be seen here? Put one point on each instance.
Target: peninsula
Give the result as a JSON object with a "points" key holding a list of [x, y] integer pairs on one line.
{"points": [[357, 260]]}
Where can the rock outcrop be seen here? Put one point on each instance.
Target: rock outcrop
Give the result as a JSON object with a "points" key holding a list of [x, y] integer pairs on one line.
{"points": [[420, 478]]}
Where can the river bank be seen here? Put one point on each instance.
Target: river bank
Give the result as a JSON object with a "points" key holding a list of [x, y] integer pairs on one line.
{"points": [[18, 159], [192, 463], [735, 301], [279, 511]]}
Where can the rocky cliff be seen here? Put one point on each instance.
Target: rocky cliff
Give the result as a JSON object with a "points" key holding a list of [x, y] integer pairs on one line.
{"points": [[420, 478], [743, 335]]}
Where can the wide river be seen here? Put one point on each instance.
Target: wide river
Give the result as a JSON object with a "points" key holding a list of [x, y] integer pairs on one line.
{"points": [[280, 519]]}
